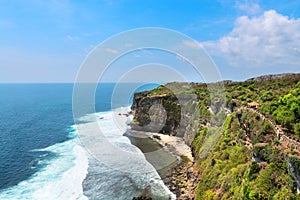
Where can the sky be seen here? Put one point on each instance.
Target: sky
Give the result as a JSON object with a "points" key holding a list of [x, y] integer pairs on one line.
{"points": [[48, 40]]}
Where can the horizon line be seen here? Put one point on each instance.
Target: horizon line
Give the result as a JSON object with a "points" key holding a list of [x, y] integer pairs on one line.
{"points": [[188, 81]]}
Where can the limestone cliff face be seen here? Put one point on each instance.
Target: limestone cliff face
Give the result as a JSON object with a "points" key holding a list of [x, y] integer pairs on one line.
{"points": [[152, 112], [161, 112]]}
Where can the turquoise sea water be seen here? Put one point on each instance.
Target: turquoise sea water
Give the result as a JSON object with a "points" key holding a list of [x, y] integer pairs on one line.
{"points": [[40, 157]]}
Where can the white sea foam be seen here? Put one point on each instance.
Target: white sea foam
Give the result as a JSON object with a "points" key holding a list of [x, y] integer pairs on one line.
{"points": [[117, 157], [60, 177]]}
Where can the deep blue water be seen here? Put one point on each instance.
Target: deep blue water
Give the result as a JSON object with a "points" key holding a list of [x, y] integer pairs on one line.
{"points": [[32, 117], [36, 116]]}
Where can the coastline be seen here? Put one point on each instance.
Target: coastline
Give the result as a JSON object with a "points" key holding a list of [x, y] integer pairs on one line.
{"points": [[117, 173], [178, 176]]}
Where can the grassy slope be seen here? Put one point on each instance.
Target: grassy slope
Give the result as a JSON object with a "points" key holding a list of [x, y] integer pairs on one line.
{"points": [[228, 171]]}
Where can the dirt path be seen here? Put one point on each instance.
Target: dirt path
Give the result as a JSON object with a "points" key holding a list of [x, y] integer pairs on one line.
{"points": [[286, 142], [289, 141]]}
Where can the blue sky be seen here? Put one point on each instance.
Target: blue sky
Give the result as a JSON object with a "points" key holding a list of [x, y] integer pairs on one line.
{"points": [[46, 41]]}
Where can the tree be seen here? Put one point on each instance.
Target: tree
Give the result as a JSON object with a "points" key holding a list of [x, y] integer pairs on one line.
{"points": [[297, 129]]}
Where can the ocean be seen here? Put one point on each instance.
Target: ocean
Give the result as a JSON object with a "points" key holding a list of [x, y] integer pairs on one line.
{"points": [[41, 151]]}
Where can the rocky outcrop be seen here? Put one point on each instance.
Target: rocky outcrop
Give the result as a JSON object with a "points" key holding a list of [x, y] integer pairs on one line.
{"points": [[145, 195], [293, 173], [178, 112], [156, 113], [164, 114]]}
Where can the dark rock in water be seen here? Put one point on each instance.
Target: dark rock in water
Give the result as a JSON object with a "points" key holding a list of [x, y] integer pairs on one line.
{"points": [[145, 195], [157, 137], [142, 198]]}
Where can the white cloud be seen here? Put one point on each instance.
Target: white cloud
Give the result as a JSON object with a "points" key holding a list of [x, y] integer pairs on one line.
{"points": [[248, 7], [267, 40], [113, 51], [72, 38], [192, 44]]}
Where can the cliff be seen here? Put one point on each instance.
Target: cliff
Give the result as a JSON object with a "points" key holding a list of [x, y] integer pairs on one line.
{"points": [[146, 107], [172, 109], [245, 155]]}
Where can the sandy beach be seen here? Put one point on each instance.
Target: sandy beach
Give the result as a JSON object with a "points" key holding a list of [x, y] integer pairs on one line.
{"points": [[174, 144], [178, 175]]}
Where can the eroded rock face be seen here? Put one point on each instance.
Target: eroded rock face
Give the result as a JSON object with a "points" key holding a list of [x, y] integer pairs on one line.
{"points": [[164, 113], [156, 113]]}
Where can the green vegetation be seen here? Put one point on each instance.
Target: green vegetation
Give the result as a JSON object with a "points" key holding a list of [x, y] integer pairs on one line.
{"points": [[240, 158], [288, 111], [279, 99], [229, 171]]}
